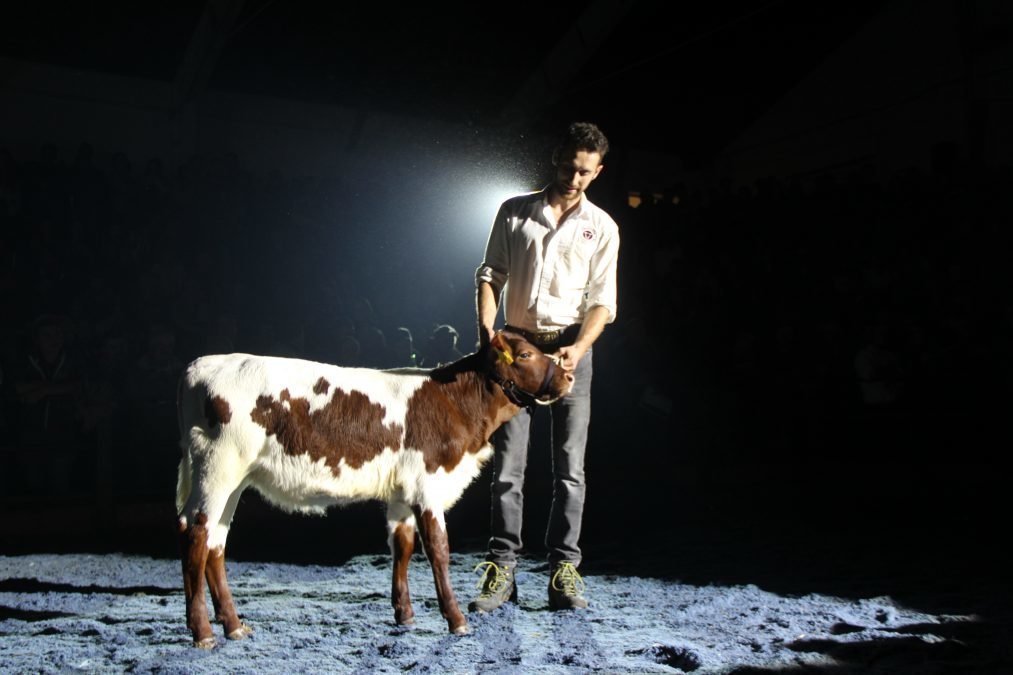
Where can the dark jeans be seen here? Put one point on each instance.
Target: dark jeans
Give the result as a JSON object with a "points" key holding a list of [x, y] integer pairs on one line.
{"points": [[570, 418]]}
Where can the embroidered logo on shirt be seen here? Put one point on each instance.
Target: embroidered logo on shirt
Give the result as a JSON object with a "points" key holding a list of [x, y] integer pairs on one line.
{"points": [[587, 234]]}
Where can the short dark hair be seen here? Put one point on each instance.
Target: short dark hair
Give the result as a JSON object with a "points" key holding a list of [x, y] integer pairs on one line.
{"points": [[582, 136], [445, 329]]}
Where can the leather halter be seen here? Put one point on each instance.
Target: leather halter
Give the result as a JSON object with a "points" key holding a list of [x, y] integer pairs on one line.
{"points": [[522, 397]]}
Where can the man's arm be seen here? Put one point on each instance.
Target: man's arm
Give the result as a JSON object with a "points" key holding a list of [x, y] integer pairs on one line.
{"points": [[486, 306], [601, 294], [594, 323], [491, 275]]}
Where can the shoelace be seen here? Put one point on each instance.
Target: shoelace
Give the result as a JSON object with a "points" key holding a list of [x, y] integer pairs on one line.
{"points": [[567, 580], [498, 580]]}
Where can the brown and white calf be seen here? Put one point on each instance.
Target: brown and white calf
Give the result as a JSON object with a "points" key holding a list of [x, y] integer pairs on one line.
{"points": [[309, 435]]}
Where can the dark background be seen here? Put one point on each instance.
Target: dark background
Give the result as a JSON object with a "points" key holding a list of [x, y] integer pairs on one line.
{"points": [[683, 79], [817, 350]]}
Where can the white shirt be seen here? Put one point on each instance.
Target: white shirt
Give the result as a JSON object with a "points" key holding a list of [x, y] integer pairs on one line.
{"points": [[551, 274]]}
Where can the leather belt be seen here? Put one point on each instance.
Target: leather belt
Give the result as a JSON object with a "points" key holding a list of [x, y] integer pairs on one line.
{"points": [[542, 337]]}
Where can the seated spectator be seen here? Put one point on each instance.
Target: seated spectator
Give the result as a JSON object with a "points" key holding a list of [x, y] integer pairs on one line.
{"points": [[47, 388], [105, 394], [878, 369], [348, 353], [153, 380], [372, 342], [402, 349], [47, 385], [442, 347], [106, 382]]}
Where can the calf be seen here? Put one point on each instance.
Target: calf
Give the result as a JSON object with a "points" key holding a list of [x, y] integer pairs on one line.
{"points": [[308, 435]]}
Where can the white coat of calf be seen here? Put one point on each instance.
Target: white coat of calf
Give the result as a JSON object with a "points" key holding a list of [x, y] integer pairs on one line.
{"points": [[309, 435]]}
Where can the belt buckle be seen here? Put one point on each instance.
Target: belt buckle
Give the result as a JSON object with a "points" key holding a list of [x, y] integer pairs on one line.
{"points": [[546, 337]]}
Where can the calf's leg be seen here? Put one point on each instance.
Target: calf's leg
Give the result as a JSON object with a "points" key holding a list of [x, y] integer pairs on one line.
{"points": [[221, 596], [218, 585], [401, 525], [434, 538], [194, 553], [204, 525]]}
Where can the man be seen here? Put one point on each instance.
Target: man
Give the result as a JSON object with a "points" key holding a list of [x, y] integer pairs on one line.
{"points": [[552, 254]]}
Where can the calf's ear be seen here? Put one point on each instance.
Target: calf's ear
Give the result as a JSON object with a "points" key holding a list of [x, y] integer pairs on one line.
{"points": [[503, 351]]}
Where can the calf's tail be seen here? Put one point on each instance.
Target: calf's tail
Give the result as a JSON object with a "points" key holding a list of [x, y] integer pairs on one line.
{"points": [[183, 478], [183, 482]]}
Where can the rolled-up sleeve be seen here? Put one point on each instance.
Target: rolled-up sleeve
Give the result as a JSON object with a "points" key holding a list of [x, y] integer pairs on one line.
{"points": [[601, 281], [496, 263]]}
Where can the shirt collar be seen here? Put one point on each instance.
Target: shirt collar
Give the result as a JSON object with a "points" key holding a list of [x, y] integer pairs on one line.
{"points": [[579, 212]]}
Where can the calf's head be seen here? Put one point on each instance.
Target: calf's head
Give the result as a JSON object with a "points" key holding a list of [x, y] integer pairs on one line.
{"points": [[526, 374]]}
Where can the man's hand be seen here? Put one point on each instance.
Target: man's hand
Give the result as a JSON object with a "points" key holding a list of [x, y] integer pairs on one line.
{"points": [[570, 356], [590, 329]]}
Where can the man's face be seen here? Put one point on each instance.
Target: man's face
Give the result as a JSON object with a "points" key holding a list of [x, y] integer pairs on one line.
{"points": [[575, 169]]}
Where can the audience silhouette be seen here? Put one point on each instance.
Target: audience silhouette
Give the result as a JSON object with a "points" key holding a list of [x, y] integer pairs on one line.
{"points": [[757, 320]]}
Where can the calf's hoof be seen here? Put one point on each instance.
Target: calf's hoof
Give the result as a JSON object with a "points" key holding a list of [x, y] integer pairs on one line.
{"points": [[463, 629], [205, 643], [240, 633]]}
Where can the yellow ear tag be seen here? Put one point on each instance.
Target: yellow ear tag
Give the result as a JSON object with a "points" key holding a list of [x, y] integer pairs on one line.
{"points": [[505, 357]]}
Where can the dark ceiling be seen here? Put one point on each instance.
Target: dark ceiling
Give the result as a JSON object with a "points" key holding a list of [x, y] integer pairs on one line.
{"points": [[684, 78]]}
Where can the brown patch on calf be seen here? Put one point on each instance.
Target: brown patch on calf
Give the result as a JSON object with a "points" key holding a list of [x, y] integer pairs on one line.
{"points": [[446, 420], [217, 410], [321, 386], [349, 427]]}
